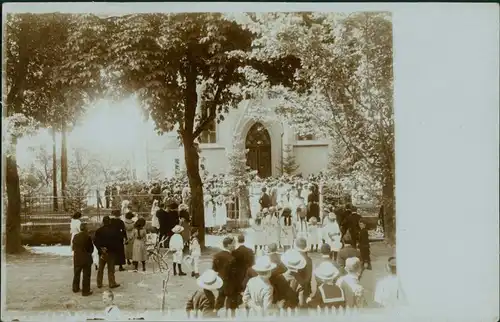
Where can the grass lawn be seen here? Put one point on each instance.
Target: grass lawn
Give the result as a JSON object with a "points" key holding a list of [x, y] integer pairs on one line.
{"points": [[42, 282]]}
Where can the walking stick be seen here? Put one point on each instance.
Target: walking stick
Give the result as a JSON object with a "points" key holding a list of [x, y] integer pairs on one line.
{"points": [[164, 290]]}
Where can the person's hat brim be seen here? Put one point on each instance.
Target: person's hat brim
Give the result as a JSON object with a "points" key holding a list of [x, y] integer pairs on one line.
{"points": [[214, 286], [258, 268]]}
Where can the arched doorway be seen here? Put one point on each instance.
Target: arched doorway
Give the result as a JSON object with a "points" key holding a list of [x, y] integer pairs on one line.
{"points": [[258, 144]]}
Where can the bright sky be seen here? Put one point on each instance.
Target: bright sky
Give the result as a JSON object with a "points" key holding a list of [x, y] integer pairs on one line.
{"points": [[116, 130]]}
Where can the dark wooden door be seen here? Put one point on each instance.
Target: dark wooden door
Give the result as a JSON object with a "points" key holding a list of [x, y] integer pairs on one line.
{"points": [[258, 144]]}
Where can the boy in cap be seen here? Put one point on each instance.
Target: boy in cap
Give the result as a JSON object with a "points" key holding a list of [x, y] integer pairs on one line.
{"points": [[328, 293], [364, 246], [203, 299], [176, 244], [291, 294], [305, 274], [258, 294]]}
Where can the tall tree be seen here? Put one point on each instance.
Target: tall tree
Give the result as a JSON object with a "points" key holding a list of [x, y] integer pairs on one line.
{"points": [[164, 58], [347, 63], [48, 65]]}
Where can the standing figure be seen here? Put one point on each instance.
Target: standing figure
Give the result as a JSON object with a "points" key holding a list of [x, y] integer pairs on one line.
{"points": [[125, 208], [265, 199], [107, 241], [99, 199], [139, 252], [259, 236], [74, 227], [186, 195], [195, 252], [300, 228], [82, 260], [305, 274], [176, 244], [364, 246], [223, 264], [107, 196], [313, 203], [220, 211], [115, 199], [331, 234], [295, 202], [154, 219], [119, 226], [258, 294], [209, 212], [313, 234], [273, 227], [286, 226], [129, 244]]}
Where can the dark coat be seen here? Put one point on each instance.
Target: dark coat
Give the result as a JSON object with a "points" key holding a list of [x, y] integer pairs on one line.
{"points": [[265, 201], [107, 237], [168, 220], [305, 275], [280, 267], [243, 259], [345, 253], [121, 235], [364, 238], [287, 290], [82, 249], [202, 301], [223, 262], [313, 206]]}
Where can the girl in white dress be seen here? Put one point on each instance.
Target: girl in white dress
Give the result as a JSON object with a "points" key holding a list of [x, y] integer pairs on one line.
{"points": [[286, 225], [74, 227], [259, 232], [294, 202], [220, 211], [273, 232], [314, 234], [254, 200], [331, 234], [125, 208], [155, 223], [209, 211]]}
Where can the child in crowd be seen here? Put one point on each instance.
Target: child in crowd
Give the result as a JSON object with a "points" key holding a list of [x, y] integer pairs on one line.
{"points": [[301, 224], [195, 252], [111, 312], [293, 294], [364, 246], [139, 251], [286, 226], [328, 294], [203, 299], [313, 234], [258, 294], [259, 231], [331, 233], [176, 244]]}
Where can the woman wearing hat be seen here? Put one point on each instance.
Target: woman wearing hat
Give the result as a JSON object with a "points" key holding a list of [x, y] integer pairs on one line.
{"points": [[328, 293], [258, 294], [176, 244], [203, 299]]}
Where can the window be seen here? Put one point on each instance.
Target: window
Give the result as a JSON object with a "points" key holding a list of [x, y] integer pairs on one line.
{"points": [[210, 134], [306, 137]]}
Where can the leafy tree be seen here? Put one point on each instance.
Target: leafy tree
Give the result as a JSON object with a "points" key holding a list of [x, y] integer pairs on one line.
{"points": [[347, 63], [51, 68], [165, 58], [288, 165]]}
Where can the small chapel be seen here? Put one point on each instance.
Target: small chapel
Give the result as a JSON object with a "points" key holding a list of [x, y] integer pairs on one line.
{"points": [[267, 142]]}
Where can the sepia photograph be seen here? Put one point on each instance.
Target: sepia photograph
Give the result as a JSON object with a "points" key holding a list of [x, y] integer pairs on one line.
{"points": [[199, 165]]}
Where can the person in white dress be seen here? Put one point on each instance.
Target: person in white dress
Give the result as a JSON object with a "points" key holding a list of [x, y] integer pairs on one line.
{"points": [[313, 234], [155, 223], [220, 211], [254, 200], [125, 208], [300, 227], [331, 234], [294, 202], [176, 244], [209, 211], [74, 227], [259, 231], [273, 227]]}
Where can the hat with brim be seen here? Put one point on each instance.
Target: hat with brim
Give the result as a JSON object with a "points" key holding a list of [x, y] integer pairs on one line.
{"points": [[292, 259], [177, 229], [209, 280], [313, 220], [265, 211], [326, 271], [301, 244], [263, 264]]}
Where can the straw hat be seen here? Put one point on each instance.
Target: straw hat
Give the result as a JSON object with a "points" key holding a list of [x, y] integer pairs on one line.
{"points": [[292, 259], [326, 271], [265, 211], [263, 264], [332, 215], [313, 220], [301, 244], [177, 229], [353, 265], [209, 280]]}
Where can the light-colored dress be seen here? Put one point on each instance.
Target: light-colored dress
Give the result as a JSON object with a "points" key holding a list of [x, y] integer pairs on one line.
{"points": [[221, 211], [331, 234], [259, 233], [129, 229], [301, 229], [254, 201], [209, 212], [314, 234], [286, 235], [294, 203], [74, 228], [139, 252], [154, 220], [176, 245], [274, 230]]}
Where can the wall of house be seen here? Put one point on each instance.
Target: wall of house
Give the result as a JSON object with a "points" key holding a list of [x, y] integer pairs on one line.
{"points": [[311, 158]]}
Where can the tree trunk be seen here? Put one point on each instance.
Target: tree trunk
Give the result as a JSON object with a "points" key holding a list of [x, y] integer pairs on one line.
{"points": [[54, 171], [196, 206], [389, 200], [13, 222], [64, 165]]}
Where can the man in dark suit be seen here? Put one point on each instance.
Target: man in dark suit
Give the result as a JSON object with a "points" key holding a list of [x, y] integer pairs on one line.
{"points": [[347, 251], [223, 264], [265, 200], [121, 237], [168, 220], [107, 241], [82, 260], [244, 258]]}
